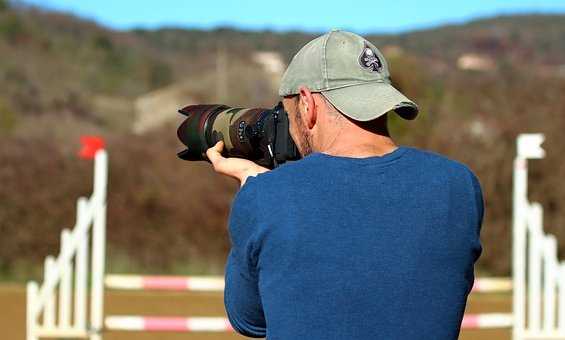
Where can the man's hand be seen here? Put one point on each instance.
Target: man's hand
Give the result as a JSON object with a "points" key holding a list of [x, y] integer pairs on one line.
{"points": [[237, 168]]}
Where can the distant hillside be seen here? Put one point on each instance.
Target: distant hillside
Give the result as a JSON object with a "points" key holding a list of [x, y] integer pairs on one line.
{"points": [[524, 35], [523, 38], [520, 37], [79, 59]]}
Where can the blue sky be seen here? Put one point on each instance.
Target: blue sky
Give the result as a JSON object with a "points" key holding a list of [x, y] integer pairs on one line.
{"points": [[314, 16]]}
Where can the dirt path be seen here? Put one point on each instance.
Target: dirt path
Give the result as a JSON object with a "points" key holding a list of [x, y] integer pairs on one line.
{"points": [[12, 322]]}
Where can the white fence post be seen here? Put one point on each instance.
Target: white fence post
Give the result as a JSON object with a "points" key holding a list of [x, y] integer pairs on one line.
{"points": [[528, 147], [535, 246], [561, 308], [65, 284], [81, 270], [31, 320], [550, 271], [49, 311], [98, 246], [519, 245]]}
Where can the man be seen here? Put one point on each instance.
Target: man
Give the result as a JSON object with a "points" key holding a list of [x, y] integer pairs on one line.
{"points": [[361, 239]]}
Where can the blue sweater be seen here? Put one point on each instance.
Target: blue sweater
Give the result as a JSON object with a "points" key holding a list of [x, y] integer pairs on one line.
{"points": [[354, 248]]}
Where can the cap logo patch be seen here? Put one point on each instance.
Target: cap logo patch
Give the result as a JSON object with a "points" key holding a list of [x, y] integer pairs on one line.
{"points": [[369, 59]]}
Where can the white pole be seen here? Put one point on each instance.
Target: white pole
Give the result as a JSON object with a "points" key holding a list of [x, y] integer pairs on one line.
{"points": [[31, 319], [561, 311], [527, 146], [519, 246], [535, 222], [81, 267], [65, 285], [100, 174], [49, 311], [98, 245], [550, 275]]}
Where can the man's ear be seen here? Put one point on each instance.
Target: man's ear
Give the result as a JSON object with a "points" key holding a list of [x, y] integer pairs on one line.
{"points": [[307, 107]]}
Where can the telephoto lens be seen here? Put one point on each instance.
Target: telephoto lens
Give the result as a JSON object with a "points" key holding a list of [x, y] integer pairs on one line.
{"points": [[258, 134]]}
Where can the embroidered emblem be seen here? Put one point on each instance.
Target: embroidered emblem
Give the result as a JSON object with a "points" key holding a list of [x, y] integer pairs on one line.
{"points": [[370, 60]]}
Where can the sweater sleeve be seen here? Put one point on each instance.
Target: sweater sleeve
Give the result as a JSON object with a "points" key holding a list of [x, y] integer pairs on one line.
{"points": [[241, 296]]}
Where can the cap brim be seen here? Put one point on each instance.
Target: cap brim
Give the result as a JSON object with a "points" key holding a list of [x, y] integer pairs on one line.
{"points": [[369, 101]]}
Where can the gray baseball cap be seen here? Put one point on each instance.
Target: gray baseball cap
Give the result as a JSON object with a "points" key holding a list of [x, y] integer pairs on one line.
{"points": [[351, 73]]}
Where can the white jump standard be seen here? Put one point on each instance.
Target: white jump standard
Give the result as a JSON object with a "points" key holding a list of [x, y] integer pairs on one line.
{"points": [[537, 252], [91, 214]]}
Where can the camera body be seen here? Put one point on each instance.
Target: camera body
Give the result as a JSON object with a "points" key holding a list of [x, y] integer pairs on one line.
{"points": [[258, 134]]}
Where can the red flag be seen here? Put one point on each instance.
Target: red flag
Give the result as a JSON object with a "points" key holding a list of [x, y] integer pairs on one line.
{"points": [[90, 144]]}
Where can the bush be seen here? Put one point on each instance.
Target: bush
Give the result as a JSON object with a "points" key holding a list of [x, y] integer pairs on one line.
{"points": [[8, 117], [12, 28]]}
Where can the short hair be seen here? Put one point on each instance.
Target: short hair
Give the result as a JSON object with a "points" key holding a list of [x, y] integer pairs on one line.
{"points": [[332, 108], [377, 125]]}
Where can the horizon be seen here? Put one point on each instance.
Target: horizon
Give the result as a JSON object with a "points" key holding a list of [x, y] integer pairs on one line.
{"points": [[124, 17]]}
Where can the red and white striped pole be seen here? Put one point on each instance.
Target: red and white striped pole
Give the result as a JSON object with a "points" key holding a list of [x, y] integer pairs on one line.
{"points": [[171, 324], [174, 283]]}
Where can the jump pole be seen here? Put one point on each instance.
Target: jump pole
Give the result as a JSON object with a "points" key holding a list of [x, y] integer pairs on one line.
{"points": [[528, 147]]}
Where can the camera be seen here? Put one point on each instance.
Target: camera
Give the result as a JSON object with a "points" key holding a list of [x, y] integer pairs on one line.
{"points": [[257, 134]]}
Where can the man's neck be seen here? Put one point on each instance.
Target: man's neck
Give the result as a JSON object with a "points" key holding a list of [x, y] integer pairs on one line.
{"points": [[352, 141], [362, 150]]}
